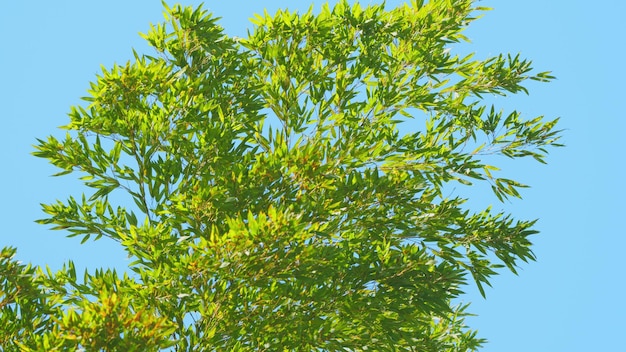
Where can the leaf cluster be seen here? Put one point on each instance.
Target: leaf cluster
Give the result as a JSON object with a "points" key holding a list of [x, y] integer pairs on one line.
{"points": [[271, 195]]}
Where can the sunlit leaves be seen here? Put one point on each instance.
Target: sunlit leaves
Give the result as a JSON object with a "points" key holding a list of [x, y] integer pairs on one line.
{"points": [[292, 190]]}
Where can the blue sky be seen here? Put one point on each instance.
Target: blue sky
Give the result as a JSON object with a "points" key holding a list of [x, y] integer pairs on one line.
{"points": [[569, 300]]}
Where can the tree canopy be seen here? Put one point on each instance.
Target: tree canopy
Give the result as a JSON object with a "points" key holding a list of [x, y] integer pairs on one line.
{"points": [[285, 191]]}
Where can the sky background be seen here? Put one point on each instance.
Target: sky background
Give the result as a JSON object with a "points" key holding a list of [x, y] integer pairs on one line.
{"points": [[571, 299]]}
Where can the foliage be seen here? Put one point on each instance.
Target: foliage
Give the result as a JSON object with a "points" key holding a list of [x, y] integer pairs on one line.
{"points": [[281, 199]]}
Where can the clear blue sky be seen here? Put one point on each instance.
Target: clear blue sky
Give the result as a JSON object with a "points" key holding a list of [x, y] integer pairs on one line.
{"points": [[571, 299]]}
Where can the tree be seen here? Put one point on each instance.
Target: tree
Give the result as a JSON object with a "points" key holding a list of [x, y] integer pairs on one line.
{"points": [[271, 194]]}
